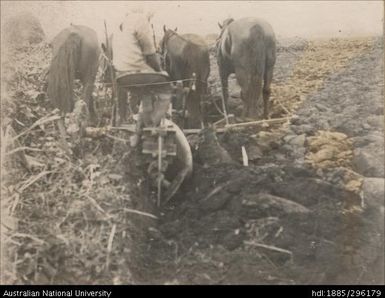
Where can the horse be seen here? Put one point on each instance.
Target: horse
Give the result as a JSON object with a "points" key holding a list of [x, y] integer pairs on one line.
{"points": [[247, 47], [184, 55], [75, 55]]}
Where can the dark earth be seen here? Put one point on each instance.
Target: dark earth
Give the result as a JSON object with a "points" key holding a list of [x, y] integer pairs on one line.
{"points": [[280, 221]]}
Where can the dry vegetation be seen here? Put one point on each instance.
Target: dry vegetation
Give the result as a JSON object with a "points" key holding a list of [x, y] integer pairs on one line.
{"points": [[65, 215]]}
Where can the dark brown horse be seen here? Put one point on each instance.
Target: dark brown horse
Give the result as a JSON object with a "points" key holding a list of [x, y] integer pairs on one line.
{"points": [[247, 47], [184, 55], [75, 56]]}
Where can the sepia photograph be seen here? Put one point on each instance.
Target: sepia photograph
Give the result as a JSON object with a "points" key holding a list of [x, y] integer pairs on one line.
{"points": [[192, 143]]}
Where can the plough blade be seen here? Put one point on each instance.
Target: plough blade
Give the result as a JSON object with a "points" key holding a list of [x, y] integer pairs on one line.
{"points": [[185, 160]]}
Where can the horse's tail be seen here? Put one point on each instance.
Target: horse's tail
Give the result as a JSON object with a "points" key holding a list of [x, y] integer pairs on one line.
{"points": [[62, 73]]}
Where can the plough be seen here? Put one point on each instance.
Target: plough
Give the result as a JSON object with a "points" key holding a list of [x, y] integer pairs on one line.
{"points": [[160, 149], [167, 157]]}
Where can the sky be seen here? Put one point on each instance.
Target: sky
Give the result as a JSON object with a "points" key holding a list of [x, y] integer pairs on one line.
{"points": [[306, 19]]}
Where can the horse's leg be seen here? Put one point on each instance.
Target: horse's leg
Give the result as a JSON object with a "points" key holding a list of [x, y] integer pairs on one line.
{"points": [[245, 104], [88, 88], [204, 93], [188, 98], [87, 68], [87, 73], [225, 89], [202, 103], [184, 104], [243, 81], [256, 81], [255, 95], [195, 109], [268, 77]]}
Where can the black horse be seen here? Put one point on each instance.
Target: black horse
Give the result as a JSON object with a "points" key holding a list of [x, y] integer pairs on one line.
{"points": [[247, 47], [184, 55]]}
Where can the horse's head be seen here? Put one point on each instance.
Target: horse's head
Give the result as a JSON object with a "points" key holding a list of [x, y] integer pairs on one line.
{"points": [[106, 60], [166, 36]]}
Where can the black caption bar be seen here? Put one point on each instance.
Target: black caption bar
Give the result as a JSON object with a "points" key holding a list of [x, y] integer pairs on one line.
{"points": [[323, 291]]}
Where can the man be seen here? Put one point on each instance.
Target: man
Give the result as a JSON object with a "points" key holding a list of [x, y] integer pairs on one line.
{"points": [[134, 52], [133, 45]]}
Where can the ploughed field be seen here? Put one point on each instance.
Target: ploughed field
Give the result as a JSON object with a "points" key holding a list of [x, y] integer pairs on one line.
{"points": [[309, 207]]}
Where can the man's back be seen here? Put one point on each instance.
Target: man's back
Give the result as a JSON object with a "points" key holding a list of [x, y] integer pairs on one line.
{"points": [[131, 42]]}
